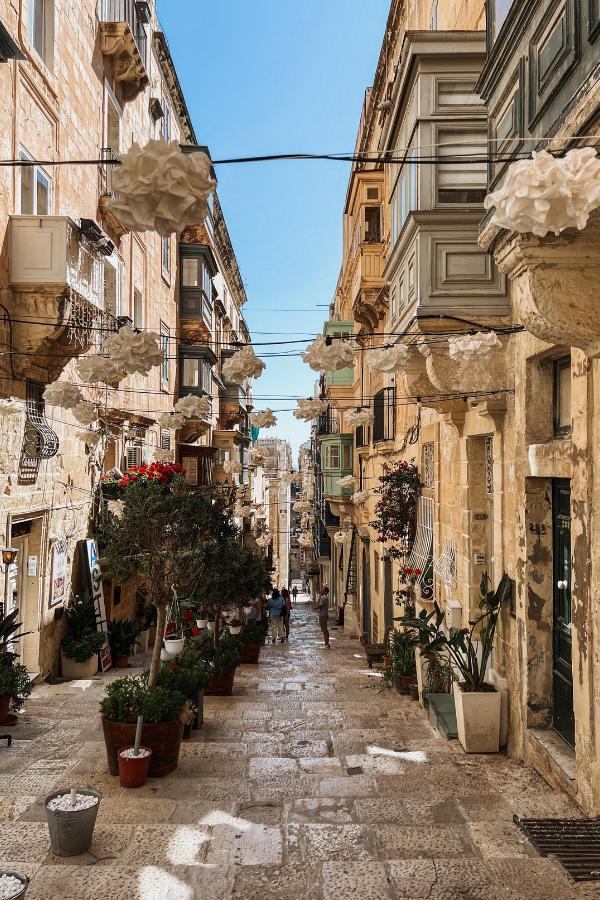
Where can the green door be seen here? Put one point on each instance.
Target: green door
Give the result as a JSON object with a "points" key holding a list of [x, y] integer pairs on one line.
{"points": [[562, 675], [366, 596]]}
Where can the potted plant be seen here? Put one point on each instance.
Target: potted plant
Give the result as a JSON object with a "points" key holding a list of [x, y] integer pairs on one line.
{"points": [[222, 660], [202, 620], [174, 639], [252, 637], [246, 609], [71, 817], [235, 626], [134, 767], [15, 685], [402, 658], [189, 674], [79, 655], [122, 636], [164, 719], [210, 624]]}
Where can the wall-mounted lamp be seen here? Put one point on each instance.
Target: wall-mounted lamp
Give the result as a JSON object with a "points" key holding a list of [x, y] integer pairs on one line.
{"points": [[9, 556]]}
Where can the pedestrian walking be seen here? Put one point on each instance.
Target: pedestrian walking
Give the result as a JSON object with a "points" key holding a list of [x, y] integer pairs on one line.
{"points": [[276, 606], [295, 594], [287, 612], [324, 614]]}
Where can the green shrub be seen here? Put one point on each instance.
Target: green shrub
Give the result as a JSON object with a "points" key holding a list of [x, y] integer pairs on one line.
{"points": [[14, 683], [122, 635], [226, 655], [128, 698], [187, 674], [254, 632], [81, 649]]}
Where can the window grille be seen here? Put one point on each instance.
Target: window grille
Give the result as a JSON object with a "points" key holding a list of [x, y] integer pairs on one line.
{"points": [[40, 441], [421, 554], [445, 566], [489, 466], [429, 465]]}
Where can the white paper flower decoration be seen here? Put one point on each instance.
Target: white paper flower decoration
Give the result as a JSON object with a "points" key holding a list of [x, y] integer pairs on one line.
{"points": [[388, 360], [116, 508], [230, 467], [243, 364], [172, 420], [348, 481], [323, 357], [360, 497], [89, 437], [310, 409], [545, 194], [301, 506], [193, 407], [160, 188], [358, 418], [85, 412], [10, 406], [339, 537], [63, 394], [132, 351], [242, 511], [97, 368], [305, 540], [257, 457], [161, 455], [264, 419], [288, 478], [264, 540], [468, 347]]}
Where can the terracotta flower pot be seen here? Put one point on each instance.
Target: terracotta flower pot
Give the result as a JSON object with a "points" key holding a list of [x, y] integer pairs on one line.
{"points": [[250, 654], [221, 685], [405, 682], [133, 770], [164, 740], [122, 662], [4, 709]]}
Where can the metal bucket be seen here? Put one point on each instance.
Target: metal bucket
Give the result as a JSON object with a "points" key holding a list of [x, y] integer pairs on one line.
{"points": [[22, 878], [71, 832]]}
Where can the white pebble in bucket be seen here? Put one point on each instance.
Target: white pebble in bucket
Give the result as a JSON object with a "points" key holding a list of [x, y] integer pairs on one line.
{"points": [[10, 886], [64, 803], [131, 753]]}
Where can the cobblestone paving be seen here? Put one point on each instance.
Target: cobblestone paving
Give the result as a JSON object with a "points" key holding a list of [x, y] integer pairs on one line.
{"points": [[308, 783]]}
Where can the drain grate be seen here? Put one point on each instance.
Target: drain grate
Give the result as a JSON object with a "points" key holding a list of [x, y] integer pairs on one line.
{"points": [[354, 770], [574, 842]]}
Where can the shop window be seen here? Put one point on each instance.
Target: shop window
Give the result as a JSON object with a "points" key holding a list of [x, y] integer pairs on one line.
{"points": [[460, 181], [36, 189], [562, 396]]}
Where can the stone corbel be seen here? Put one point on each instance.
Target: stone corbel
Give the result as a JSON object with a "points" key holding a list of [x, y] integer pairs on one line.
{"points": [[452, 412], [119, 43], [451, 376], [555, 285], [492, 408], [370, 307], [415, 376]]}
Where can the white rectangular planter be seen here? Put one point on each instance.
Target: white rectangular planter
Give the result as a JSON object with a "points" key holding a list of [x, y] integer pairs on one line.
{"points": [[478, 720], [72, 669], [422, 666]]}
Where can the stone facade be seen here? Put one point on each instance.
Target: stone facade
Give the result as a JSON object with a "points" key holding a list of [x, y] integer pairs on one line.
{"points": [[86, 90]]}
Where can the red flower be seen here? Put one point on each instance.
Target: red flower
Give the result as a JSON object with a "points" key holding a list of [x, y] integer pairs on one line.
{"points": [[174, 665], [196, 631], [187, 615], [417, 571], [169, 629]]}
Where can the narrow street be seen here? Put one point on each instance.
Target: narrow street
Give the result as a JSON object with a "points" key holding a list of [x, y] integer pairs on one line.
{"points": [[307, 783]]}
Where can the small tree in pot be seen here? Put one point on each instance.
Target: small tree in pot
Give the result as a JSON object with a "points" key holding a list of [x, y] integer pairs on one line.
{"points": [[15, 685], [83, 642]]}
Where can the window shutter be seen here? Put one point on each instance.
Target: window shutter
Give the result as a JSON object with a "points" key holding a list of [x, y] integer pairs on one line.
{"points": [[190, 464], [134, 456]]}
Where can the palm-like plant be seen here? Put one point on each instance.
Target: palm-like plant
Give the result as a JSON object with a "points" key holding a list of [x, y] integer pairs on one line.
{"points": [[10, 632]]}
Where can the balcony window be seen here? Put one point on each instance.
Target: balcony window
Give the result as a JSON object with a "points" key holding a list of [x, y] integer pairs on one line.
{"points": [[195, 374], [164, 346], [166, 256], [372, 224], [138, 308], [36, 189], [461, 182], [191, 273], [112, 286], [196, 288], [383, 408], [41, 28], [562, 396]]}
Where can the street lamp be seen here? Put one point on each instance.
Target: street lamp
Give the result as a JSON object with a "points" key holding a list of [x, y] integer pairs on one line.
{"points": [[9, 556]]}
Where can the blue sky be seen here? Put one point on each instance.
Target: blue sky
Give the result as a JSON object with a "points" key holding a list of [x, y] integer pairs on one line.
{"points": [[274, 76]]}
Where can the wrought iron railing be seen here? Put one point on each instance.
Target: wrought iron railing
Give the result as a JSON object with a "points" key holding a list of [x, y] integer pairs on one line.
{"points": [[328, 423], [39, 440]]}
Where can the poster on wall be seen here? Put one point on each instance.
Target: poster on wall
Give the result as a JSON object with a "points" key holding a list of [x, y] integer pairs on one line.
{"points": [[58, 588], [93, 573]]}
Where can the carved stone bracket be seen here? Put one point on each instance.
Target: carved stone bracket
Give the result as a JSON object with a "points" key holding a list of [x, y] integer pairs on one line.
{"points": [[118, 42], [449, 375], [494, 409], [370, 307], [555, 285], [415, 376]]}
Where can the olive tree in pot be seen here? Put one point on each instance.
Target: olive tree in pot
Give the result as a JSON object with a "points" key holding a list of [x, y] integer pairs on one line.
{"points": [[158, 541]]}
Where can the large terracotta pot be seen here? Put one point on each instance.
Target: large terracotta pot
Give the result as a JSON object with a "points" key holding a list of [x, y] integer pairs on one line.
{"points": [[250, 654], [4, 710], [221, 685], [72, 669], [164, 740]]}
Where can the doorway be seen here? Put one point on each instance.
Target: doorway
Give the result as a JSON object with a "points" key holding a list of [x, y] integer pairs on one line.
{"points": [[366, 596], [563, 719]]}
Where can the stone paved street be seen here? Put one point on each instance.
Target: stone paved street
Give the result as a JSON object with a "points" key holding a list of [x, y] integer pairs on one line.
{"points": [[294, 790]]}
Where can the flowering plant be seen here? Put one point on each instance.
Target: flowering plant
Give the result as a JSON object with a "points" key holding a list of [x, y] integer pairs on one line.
{"points": [[396, 511], [156, 472]]}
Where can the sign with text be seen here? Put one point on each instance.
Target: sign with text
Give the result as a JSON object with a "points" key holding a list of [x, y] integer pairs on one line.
{"points": [[93, 573], [58, 587]]}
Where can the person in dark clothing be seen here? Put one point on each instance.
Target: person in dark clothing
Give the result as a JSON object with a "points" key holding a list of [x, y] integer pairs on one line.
{"points": [[324, 614], [288, 606], [276, 606]]}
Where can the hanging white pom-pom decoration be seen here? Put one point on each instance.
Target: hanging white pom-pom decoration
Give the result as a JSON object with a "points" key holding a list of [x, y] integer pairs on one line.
{"points": [[160, 188], [93, 369], [339, 537], [116, 508], [171, 420], [305, 540], [10, 406], [264, 419], [232, 468], [468, 347], [301, 506], [89, 437], [264, 540], [243, 364], [63, 394], [257, 457], [85, 412], [134, 352], [241, 511], [324, 357], [360, 498], [310, 409], [545, 194], [348, 481], [359, 418], [193, 407], [388, 360]]}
